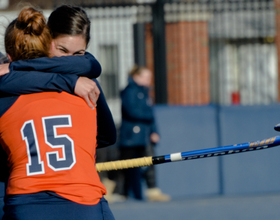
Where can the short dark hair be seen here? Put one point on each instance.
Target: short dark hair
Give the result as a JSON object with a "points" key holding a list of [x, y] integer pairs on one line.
{"points": [[69, 20]]}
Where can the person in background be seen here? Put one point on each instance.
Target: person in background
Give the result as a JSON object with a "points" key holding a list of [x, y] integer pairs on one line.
{"points": [[138, 134]]}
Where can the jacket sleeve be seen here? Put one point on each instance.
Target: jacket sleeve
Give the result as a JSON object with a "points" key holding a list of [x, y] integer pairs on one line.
{"points": [[85, 65], [133, 109], [106, 129], [25, 82], [48, 74], [153, 126]]}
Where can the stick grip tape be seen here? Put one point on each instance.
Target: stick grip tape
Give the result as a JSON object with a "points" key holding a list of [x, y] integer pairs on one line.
{"points": [[124, 164]]}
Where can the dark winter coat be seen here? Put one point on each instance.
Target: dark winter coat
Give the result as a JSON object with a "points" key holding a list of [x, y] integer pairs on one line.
{"points": [[138, 120]]}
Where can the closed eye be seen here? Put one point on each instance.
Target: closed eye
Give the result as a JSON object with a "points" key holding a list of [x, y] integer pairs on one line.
{"points": [[63, 50], [79, 53]]}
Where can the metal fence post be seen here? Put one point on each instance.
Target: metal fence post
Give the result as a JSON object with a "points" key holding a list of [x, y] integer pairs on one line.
{"points": [[139, 44], [159, 43]]}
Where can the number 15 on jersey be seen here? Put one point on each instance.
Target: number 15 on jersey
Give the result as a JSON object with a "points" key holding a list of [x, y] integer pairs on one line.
{"points": [[50, 124]]}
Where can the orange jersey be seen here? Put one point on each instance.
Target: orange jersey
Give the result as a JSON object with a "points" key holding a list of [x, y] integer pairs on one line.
{"points": [[50, 139]]}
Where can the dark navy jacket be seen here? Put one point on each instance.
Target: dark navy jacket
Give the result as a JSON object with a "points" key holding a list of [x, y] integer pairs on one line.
{"points": [[137, 116]]}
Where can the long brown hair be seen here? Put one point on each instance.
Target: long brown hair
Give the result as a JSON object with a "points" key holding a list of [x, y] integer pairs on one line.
{"points": [[28, 36]]}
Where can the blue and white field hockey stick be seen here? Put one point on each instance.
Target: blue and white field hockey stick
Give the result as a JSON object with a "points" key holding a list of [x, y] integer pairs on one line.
{"points": [[190, 155]]}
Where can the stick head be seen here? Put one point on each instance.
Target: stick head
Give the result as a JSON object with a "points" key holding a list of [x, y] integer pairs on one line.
{"points": [[277, 127]]}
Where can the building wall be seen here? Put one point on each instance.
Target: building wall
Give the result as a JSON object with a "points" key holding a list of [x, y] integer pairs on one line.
{"points": [[187, 62]]}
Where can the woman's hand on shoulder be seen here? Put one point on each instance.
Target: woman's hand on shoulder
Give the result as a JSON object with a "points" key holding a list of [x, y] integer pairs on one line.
{"points": [[4, 69], [88, 90]]}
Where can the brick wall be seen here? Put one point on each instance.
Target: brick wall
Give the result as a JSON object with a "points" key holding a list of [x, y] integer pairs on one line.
{"points": [[187, 62]]}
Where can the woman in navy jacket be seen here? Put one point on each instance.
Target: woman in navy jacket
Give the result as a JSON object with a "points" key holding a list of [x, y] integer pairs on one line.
{"points": [[138, 121], [138, 129]]}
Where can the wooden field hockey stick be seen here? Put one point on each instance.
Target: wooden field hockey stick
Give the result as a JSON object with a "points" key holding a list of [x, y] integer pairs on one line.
{"points": [[190, 155]]}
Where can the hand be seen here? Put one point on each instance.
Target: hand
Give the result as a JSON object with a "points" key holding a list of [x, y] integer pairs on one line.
{"points": [[4, 69], [154, 137], [88, 90]]}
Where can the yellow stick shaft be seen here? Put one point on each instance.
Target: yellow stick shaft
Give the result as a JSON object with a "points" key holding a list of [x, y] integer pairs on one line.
{"points": [[124, 164]]}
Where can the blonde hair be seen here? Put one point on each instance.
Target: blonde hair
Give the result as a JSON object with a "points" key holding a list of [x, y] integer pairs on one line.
{"points": [[28, 36], [136, 70]]}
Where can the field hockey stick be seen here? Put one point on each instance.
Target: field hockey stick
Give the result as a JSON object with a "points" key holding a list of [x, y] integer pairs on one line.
{"points": [[190, 155]]}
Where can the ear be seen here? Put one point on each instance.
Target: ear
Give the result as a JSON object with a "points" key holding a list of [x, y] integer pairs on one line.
{"points": [[8, 55], [52, 45], [52, 48]]}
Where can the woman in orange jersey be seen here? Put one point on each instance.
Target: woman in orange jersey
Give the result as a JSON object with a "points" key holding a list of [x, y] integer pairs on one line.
{"points": [[50, 140]]}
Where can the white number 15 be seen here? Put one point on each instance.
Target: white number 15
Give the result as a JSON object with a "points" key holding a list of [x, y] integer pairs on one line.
{"points": [[35, 165]]}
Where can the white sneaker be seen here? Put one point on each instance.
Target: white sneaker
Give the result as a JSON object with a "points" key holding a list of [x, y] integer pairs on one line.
{"points": [[155, 195], [117, 198]]}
